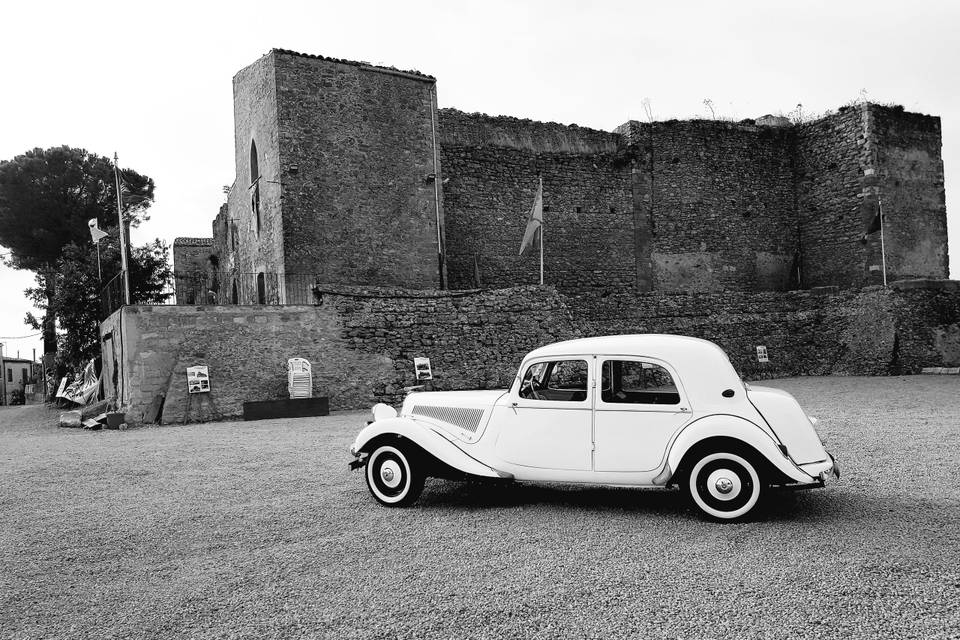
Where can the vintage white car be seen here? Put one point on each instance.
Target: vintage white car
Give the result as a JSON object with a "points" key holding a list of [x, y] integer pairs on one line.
{"points": [[629, 410]]}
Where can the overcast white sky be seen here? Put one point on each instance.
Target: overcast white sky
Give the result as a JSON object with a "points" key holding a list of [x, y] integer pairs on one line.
{"points": [[152, 81]]}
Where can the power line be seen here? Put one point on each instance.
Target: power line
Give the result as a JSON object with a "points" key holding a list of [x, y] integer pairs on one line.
{"points": [[32, 335]]}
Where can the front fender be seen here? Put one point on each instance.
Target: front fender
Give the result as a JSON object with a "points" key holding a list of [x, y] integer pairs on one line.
{"points": [[729, 427], [428, 440]]}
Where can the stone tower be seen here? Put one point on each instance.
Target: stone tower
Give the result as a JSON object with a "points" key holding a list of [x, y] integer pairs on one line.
{"points": [[337, 181]]}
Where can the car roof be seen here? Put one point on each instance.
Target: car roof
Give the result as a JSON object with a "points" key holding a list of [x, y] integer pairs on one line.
{"points": [[653, 345], [704, 368]]}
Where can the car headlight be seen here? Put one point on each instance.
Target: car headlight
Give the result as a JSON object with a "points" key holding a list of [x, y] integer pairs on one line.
{"points": [[382, 411]]}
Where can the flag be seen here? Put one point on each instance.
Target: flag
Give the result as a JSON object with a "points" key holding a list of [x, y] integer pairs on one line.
{"points": [[95, 231], [534, 221], [872, 204], [476, 270]]}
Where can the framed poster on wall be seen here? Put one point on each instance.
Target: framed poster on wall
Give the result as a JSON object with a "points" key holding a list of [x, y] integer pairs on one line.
{"points": [[198, 379]]}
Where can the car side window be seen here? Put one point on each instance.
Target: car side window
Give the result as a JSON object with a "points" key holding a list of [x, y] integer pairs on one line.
{"points": [[635, 382], [559, 380]]}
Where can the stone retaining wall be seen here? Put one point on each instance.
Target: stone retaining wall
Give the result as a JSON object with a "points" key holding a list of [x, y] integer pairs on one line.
{"points": [[362, 341]]}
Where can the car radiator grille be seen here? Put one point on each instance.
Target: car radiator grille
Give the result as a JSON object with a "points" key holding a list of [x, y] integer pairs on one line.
{"points": [[467, 419]]}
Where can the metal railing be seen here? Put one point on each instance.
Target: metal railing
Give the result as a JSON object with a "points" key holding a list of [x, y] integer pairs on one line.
{"points": [[244, 288], [111, 296], [223, 288]]}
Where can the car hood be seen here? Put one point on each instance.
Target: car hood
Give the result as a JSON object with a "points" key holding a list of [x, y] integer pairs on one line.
{"points": [[479, 399], [462, 414]]}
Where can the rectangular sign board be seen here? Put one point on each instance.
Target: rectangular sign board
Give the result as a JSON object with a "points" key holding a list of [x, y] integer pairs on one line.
{"points": [[762, 354], [198, 379], [422, 367]]}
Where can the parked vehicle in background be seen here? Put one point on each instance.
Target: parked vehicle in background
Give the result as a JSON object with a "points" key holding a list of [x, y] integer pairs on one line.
{"points": [[630, 410]]}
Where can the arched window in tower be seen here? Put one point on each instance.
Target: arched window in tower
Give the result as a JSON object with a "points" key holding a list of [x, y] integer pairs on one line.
{"points": [[255, 183], [254, 164]]}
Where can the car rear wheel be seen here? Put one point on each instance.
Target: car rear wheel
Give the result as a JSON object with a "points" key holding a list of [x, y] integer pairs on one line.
{"points": [[393, 477], [725, 486]]}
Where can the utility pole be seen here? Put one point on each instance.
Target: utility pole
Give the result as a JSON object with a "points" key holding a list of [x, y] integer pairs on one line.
{"points": [[3, 378], [124, 267]]}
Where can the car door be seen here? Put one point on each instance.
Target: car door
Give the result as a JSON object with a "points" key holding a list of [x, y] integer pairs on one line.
{"points": [[546, 420], [638, 409]]}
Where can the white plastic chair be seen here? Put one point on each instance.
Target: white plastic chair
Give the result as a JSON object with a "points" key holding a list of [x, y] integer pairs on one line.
{"points": [[299, 378]]}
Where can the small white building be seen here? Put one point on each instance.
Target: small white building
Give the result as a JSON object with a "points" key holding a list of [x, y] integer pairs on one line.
{"points": [[17, 374]]}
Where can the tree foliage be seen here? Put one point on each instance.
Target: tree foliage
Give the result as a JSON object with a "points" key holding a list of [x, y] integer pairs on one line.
{"points": [[47, 197], [77, 301]]}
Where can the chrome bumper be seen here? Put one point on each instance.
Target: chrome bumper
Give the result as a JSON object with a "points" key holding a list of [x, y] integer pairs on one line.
{"points": [[359, 459], [820, 472], [834, 470]]}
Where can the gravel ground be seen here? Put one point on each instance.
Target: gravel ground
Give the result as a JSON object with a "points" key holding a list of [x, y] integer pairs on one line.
{"points": [[259, 530]]}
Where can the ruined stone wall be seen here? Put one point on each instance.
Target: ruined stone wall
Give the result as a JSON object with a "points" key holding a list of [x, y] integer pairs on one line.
{"points": [[492, 166], [191, 254], [194, 262], [835, 169], [717, 201], [256, 245], [361, 347], [846, 163], [679, 206], [358, 172], [911, 171], [696, 205]]}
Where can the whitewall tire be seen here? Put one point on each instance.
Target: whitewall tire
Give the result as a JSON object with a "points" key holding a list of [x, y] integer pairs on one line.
{"points": [[392, 477], [725, 486]]}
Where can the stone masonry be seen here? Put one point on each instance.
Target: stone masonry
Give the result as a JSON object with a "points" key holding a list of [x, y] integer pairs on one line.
{"points": [[362, 341], [367, 227], [361, 180]]}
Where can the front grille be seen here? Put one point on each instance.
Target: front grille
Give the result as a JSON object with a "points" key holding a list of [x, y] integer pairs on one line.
{"points": [[467, 419]]}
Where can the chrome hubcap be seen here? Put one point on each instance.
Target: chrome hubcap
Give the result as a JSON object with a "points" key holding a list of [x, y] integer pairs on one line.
{"points": [[724, 484], [390, 473]]}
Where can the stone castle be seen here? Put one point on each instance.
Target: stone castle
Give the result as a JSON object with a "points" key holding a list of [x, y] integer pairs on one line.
{"points": [[367, 227], [348, 173]]}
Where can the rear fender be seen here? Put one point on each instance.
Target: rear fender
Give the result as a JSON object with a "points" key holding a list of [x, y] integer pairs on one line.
{"points": [[430, 441], [729, 427]]}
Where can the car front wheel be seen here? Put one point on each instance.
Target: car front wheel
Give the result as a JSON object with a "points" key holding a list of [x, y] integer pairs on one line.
{"points": [[393, 477], [725, 486]]}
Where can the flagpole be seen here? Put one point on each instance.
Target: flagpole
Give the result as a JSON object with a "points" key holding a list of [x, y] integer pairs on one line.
{"points": [[541, 233], [883, 248], [124, 267]]}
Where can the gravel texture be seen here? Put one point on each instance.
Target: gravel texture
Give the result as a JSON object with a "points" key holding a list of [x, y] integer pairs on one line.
{"points": [[259, 530]]}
